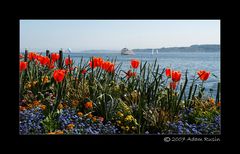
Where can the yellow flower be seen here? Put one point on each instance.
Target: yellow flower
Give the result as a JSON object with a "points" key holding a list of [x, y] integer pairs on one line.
{"points": [[30, 106], [211, 100], [119, 114], [43, 107], [36, 103], [45, 79], [127, 128], [89, 115], [89, 105], [94, 119], [134, 128], [70, 126], [65, 105], [28, 85], [122, 127], [129, 118], [34, 83], [80, 114], [118, 122], [60, 106], [75, 103]]}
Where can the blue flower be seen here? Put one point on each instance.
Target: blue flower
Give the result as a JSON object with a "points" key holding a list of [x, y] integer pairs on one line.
{"points": [[188, 131], [84, 125], [180, 122], [194, 130], [30, 121]]}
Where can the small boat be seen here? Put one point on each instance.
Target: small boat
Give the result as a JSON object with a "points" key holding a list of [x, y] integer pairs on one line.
{"points": [[155, 52], [125, 51]]}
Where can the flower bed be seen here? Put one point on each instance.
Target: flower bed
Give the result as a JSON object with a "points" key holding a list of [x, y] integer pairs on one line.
{"points": [[98, 97]]}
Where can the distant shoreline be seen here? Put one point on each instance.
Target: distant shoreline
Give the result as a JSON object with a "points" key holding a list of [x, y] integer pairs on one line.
{"points": [[192, 48]]}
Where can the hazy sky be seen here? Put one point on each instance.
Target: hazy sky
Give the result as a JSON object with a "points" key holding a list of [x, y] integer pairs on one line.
{"points": [[116, 34]]}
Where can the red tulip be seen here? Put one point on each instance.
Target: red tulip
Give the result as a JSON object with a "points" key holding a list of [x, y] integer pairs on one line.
{"points": [[23, 66], [55, 56], [135, 63], [83, 71], [58, 75], [130, 74], [51, 66], [105, 65], [110, 67], [168, 72], [176, 76], [97, 62], [39, 57], [68, 61], [173, 85], [44, 60], [91, 64], [32, 56], [203, 75]]}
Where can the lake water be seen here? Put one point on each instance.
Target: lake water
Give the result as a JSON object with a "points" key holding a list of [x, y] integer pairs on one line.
{"points": [[181, 61]]}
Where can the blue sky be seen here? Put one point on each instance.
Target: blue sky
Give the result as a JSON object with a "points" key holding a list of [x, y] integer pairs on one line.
{"points": [[80, 35]]}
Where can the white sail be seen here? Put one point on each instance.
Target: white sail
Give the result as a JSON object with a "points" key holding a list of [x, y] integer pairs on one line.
{"points": [[69, 50]]}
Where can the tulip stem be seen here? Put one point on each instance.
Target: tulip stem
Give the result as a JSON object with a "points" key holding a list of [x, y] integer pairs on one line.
{"points": [[218, 92], [21, 84], [182, 91], [26, 55], [60, 59], [48, 53]]}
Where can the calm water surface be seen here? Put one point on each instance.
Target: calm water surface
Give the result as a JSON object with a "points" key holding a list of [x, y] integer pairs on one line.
{"points": [[181, 61]]}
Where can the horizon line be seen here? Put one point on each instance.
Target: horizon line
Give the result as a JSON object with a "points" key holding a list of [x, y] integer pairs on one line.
{"points": [[85, 50]]}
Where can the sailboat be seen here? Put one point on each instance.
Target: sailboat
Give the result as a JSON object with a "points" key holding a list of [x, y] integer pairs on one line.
{"points": [[69, 50], [153, 51]]}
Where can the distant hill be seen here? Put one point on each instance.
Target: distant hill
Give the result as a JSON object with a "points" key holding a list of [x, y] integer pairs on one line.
{"points": [[192, 48]]}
